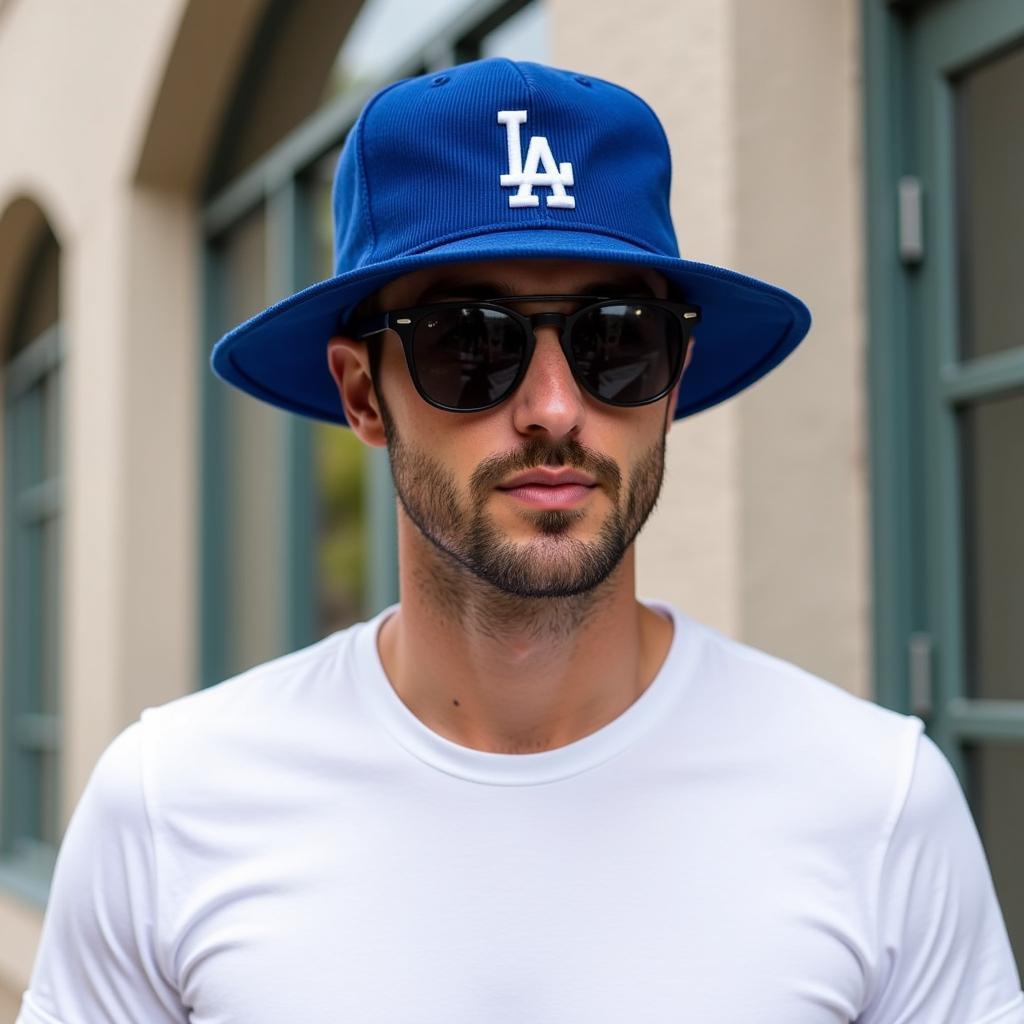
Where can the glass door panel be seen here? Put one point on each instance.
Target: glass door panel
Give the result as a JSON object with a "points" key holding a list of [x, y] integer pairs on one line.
{"points": [[990, 152], [967, 119], [992, 466]]}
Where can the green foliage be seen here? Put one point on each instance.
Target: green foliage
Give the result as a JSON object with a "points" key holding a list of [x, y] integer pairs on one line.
{"points": [[341, 544]]}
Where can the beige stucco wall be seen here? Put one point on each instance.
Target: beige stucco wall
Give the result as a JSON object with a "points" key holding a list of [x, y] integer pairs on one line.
{"points": [[689, 551], [762, 527], [805, 542]]}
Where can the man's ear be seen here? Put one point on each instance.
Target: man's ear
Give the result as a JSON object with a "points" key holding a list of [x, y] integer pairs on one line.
{"points": [[349, 363], [674, 400]]}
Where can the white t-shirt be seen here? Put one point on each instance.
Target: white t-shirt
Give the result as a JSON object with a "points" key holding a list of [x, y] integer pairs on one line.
{"points": [[746, 842]]}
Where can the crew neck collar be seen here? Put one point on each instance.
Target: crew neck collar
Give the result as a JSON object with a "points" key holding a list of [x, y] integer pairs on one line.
{"points": [[546, 766]]}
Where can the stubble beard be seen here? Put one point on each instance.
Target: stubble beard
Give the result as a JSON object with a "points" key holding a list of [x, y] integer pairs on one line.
{"points": [[552, 565]]}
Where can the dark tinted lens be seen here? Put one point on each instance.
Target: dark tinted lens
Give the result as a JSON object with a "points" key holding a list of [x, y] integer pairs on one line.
{"points": [[467, 357], [628, 352]]}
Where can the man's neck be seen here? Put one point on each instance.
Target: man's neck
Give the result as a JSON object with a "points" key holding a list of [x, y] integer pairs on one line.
{"points": [[508, 674]]}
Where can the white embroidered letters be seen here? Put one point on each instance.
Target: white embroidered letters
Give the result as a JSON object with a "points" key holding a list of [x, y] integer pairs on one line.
{"points": [[526, 176]]}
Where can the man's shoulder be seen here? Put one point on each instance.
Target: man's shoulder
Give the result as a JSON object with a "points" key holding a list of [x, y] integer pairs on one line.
{"points": [[277, 705], [276, 681], [791, 719], [778, 687], [798, 754]]}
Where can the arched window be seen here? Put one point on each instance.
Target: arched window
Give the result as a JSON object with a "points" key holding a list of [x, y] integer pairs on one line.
{"points": [[287, 554], [31, 355]]}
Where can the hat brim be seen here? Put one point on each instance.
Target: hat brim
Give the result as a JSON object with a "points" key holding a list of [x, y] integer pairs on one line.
{"points": [[747, 326]]}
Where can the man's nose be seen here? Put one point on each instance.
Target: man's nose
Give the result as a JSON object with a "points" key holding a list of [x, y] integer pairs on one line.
{"points": [[549, 400]]}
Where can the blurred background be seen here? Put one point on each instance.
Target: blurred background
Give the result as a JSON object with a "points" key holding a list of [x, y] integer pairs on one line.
{"points": [[165, 172]]}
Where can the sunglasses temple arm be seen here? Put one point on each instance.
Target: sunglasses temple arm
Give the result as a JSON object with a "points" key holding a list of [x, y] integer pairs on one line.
{"points": [[370, 326]]}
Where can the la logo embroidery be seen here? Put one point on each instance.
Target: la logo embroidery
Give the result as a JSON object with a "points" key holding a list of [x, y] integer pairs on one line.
{"points": [[555, 176]]}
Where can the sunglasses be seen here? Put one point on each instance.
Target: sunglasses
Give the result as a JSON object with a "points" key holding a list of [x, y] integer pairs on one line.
{"points": [[467, 356]]}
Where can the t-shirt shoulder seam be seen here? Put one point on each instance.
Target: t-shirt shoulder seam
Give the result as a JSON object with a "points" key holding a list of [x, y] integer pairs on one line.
{"points": [[149, 740], [324, 648], [755, 654], [789, 669], [904, 769], [770, 661], [292, 663], [999, 1016], [37, 1014]]}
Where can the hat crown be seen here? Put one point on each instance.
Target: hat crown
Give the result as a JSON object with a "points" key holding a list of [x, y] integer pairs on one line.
{"points": [[497, 145]]}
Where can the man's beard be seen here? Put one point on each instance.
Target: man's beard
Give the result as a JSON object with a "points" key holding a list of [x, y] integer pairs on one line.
{"points": [[555, 564]]}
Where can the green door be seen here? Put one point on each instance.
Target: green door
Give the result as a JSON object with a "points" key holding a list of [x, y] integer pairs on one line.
{"points": [[962, 214]]}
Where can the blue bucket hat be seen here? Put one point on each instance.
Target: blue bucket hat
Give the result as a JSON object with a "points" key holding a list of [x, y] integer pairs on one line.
{"points": [[497, 159]]}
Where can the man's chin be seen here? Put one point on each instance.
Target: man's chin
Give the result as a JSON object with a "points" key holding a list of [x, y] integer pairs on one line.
{"points": [[557, 522], [541, 586], [531, 525], [550, 565]]}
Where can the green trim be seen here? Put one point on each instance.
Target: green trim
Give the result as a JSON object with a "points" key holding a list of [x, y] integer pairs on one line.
{"points": [[31, 501], [39, 502], [985, 377], [936, 322], [38, 730], [892, 392], [950, 38], [33, 362], [212, 604], [985, 719], [28, 871], [916, 383], [8, 697]]}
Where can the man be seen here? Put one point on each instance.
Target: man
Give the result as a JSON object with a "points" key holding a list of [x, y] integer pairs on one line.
{"points": [[520, 795]]}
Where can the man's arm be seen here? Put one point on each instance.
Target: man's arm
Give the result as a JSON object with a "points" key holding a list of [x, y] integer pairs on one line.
{"points": [[98, 958], [944, 952]]}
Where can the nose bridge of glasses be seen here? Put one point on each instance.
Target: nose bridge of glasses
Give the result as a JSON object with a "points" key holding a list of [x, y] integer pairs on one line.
{"points": [[547, 320]]}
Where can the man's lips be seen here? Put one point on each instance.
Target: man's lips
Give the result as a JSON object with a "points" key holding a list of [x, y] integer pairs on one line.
{"points": [[551, 489], [548, 478]]}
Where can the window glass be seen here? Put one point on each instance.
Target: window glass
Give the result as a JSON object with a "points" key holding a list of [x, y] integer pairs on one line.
{"points": [[996, 770], [384, 34], [524, 36], [282, 82], [993, 457], [990, 111], [32, 563]]}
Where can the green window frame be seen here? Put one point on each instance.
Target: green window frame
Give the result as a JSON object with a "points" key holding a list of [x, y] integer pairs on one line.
{"points": [[916, 393], [946, 393], [32, 517]]}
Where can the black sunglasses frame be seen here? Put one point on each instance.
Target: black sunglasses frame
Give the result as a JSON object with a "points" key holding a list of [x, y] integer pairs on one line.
{"points": [[404, 322]]}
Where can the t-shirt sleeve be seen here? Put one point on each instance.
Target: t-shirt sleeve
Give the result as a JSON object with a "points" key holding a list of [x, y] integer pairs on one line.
{"points": [[944, 954], [98, 956]]}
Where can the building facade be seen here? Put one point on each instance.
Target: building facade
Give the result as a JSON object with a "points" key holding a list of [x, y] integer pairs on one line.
{"points": [[165, 171]]}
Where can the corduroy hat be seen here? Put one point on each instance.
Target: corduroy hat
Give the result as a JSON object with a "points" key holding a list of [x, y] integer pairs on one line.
{"points": [[497, 159]]}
